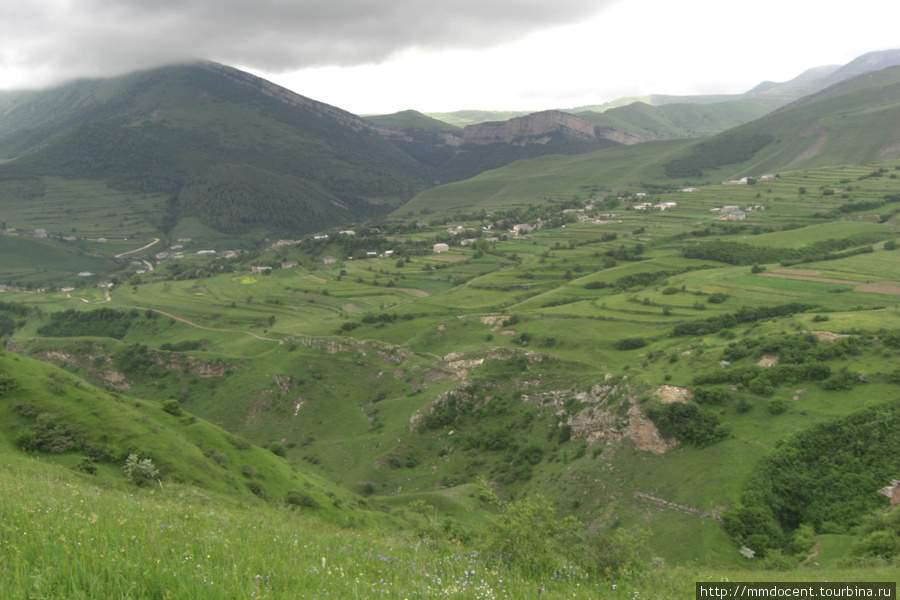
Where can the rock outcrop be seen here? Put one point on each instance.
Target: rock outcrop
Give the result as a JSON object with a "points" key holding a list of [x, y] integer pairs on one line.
{"points": [[536, 128]]}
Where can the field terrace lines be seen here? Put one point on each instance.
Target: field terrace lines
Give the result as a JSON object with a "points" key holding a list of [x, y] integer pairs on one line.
{"points": [[171, 316]]}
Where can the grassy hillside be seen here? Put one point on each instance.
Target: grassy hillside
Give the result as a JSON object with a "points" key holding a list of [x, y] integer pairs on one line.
{"points": [[411, 119], [852, 123], [671, 121], [50, 414], [219, 145]]}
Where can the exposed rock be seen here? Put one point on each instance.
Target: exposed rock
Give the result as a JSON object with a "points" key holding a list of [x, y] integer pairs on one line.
{"points": [[671, 393], [768, 360], [530, 129]]}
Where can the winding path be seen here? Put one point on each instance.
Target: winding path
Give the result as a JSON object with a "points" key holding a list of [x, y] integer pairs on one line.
{"points": [[154, 242], [192, 324]]}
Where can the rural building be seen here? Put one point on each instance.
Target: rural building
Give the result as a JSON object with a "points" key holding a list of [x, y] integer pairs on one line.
{"points": [[523, 228], [691, 189], [347, 232], [329, 260], [643, 206], [288, 264], [441, 248], [737, 215], [767, 177], [40, 233], [260, 269], [320, 237]]}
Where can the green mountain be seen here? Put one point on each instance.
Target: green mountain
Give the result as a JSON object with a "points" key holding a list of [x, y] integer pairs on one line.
{"points": [[453, 154], [231, 150], [661, 116], [853, 122]]}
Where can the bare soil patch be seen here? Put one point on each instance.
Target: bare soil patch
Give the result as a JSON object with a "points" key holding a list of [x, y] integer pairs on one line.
{"points": [[827, 336], [882, 287]]}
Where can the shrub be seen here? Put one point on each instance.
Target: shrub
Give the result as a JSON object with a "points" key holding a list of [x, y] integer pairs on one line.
{"points": [[630, 343], [140, 471], [85, 465], [278, 449], [296, 499], [172, 407], [256, 488], [776, 406]]}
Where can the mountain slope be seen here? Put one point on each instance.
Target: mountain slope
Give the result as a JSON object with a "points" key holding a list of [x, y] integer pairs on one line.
{"points": [[854, 122], [194, 131]]}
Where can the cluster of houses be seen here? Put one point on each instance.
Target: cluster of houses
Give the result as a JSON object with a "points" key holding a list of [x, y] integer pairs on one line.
{"points": [[734, 213], [746, 180], [660, 206]]}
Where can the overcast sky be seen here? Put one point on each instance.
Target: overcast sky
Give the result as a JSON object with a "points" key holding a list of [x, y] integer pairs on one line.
{"points": [[381, 56]]}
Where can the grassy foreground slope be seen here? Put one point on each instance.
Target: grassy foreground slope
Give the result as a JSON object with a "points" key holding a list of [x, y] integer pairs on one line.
{"points": [[66, 421], [184, 545]]}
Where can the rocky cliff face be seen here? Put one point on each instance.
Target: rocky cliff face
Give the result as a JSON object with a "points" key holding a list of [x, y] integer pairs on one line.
{"points": [[536, 128]]}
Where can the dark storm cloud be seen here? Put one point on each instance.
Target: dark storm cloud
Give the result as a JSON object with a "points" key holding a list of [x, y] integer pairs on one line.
{"points": [[66, 38]]}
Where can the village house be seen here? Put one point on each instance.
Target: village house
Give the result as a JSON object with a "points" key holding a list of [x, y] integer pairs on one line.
{"points": [[469, 242], [288, 264], [522, 228], [741, 181], [329, 260], [40, 233], [691, 189], [767, 177], [260, 269], [388, 253], [205, 252], [320, 237], [643, 206], [440, 248], [456, 230], [737, 215], [347, 232]]}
